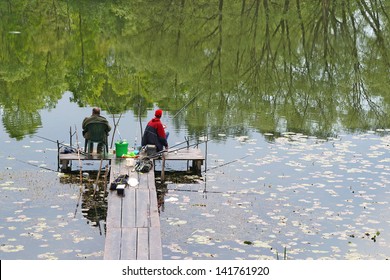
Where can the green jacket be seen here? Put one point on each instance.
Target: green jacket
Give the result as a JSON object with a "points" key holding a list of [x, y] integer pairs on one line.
{"points": [[94, 119]]}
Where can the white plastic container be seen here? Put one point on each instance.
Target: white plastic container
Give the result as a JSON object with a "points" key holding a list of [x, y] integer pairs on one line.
{"points": [[130, 162]]}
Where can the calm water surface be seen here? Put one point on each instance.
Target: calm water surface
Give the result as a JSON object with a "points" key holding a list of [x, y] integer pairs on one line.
{"points": [[261, 194]]}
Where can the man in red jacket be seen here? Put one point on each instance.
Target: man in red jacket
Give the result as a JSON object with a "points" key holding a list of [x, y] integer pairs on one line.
{"points": [[155, 133]]}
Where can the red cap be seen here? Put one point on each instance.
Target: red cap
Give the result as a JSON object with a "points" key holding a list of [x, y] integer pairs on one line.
{"points": [[158, 113]]}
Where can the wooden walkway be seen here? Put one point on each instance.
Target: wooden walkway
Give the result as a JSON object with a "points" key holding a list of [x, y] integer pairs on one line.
{"points": [[133, 222]]}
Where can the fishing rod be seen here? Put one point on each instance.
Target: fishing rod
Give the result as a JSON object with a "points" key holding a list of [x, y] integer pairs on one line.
{"points": [[226, 163], [140, 123], [60, 143], [185, 105], [178, 144], [78, 156], [187, 140], [116, 123], [206, 136], [197, 191], [158, 154], [35, 165]]}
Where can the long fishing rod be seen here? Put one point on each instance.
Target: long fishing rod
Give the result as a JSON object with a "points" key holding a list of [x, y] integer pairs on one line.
{"points": [[35, 165], [206, 136], [197, 191], [116, 123], [226, 163], [119, 133], [185, 105], [140, 123], [78, 156], [187, 140], [158, 154], [181, 143], [60, 143]]}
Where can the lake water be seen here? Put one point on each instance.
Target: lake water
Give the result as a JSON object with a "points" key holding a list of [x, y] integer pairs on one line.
{"points": [[260, 195], [294, 101]]}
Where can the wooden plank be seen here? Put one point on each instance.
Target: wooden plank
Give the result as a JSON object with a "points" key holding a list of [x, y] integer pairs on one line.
{"points": [[143, 179], [151, 183], [114, 211], [155, 252], [112, 246], [185, 154], [154, 215], [128, 208], [142, 208], [118, 167], [74, 156], [143, 244], [129, 244]]}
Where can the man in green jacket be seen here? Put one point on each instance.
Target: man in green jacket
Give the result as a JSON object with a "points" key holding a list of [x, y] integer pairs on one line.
{"points": [[95, 118]]}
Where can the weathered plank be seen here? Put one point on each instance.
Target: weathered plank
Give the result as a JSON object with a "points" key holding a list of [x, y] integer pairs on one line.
{"points": [[142, 208], [154, 214], [129, 243], [112, 246], [74, 156], [143, 245], [190, 154], [114, 211], [129, 209], [185, 154], [64, 160], [155, 252]]}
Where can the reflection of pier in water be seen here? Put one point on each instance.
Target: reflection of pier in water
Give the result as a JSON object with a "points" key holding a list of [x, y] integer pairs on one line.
{"points": [[92, 200]]}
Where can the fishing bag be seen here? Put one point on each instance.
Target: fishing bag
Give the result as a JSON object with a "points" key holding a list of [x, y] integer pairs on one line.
{"points": [[122, 179], [67, 150], [143, 165]]}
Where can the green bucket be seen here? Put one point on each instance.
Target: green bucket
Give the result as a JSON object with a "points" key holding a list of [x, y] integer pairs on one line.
{"points": [[121, 148]]}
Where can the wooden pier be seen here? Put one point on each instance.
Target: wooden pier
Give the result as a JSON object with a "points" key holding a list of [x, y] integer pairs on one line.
{"points": [[133, 223], [189, 154], [65, 160]]}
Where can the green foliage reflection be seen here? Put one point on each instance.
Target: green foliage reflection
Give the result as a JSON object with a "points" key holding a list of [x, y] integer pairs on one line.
{"points": [[315, 67]]}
